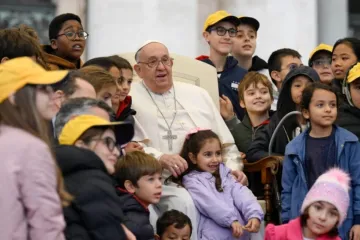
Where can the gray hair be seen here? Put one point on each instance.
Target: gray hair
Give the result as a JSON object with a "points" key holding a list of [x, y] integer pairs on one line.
{"points": [[78, 106]]}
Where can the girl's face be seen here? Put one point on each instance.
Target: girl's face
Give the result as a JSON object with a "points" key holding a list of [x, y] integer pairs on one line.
{"points": [[104, 146], [355, 92], [297, 87], [322, 110], [209, 157], [45, 103], [323, 217], [257, 99], [343, 58]]}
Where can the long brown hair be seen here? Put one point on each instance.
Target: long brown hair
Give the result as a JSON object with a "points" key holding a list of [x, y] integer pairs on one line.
{"points": [[193, 145], [24, 115]]}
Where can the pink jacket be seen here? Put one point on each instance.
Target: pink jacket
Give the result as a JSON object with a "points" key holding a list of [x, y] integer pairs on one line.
{"points": [[30, 207], [289, 231]]}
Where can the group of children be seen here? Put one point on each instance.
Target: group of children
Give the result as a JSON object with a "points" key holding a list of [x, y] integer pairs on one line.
{"points": [[317, 203]]}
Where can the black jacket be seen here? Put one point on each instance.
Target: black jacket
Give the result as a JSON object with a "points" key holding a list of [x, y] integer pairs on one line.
{"points": [[259, 148], [95, 213], [228, 82], [349, 118], [136, 215]]}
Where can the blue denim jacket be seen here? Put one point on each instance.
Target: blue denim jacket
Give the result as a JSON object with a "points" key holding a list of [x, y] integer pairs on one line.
{"points": [[294, 181]]}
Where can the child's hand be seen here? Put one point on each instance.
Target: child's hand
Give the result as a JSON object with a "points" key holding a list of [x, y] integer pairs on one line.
{"points": [[226, 108], [253, 225], [128, 233], [355, 232], [236, 229], [132, 147]]}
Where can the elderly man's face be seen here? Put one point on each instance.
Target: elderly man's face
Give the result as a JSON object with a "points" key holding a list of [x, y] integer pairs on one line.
{"points": [[155, 67]]}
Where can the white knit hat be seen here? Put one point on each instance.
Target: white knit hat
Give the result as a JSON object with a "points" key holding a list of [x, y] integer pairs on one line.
{"points": [[332, 187]]}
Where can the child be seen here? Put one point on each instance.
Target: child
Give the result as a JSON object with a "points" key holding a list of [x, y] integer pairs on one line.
{"points": [[219, 30], [122, 100], [280, 63], [320, 60], [173, 225], [138, 176], [255, 94], [346, 52], [226, 207], [245, 45], [289, 100], [67, 42], [319, 148], [349, 114], [322, 212], [105, 85]]}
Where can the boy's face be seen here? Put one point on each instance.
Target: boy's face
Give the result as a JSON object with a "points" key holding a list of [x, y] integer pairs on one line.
{"points": [[149, 188], [245, 41], [355, 92], [106, 93], [257, 99], [173, 233], [220, 44], [322, 65], [124, 85], [297, 87], [65, 47], [287, 63]]}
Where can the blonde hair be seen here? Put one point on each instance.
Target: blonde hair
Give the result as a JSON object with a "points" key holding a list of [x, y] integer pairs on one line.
{"points": [[98, 77]]}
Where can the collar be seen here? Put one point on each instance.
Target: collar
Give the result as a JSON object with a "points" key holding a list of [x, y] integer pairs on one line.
{"points": [[141, 202]]}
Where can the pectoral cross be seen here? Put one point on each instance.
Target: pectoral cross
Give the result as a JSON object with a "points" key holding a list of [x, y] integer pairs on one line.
{"points": [[170, 139]]}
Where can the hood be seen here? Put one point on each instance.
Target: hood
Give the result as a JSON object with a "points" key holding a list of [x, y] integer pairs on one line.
{"points": [[285, 93], [230, 63], [73, 159], [258, 64], [130, 202], [62, 63], [353, 110]]}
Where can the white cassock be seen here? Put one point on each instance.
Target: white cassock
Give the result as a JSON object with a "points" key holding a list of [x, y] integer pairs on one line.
{"points": [[194, 108]]}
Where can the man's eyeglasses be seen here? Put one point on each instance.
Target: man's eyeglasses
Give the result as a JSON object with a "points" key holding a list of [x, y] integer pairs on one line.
{"points": [[290, 67], [108, 141], [72, 35], [221, 31], [322, 62], [155, 62]]}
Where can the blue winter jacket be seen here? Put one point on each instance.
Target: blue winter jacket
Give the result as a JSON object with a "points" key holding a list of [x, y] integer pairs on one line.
{"points": [[294, 181], [229, 81]]}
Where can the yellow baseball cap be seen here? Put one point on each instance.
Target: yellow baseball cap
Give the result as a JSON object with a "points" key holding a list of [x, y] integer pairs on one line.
{"points": [[250, 21], [220, 16], [320, 47], [17, 72], [74, 128], [354, 73]]}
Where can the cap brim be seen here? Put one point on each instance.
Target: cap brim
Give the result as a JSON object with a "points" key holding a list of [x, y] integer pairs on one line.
{"points": [[48, 77], [311, 59], [124, 131], [250, 21], [231, 19]]}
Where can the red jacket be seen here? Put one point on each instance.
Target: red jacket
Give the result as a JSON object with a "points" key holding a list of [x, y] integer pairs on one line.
{"points": [[289, 231]]}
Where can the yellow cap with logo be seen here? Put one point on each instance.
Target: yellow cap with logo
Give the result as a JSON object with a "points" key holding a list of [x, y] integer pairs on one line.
{"points": [[220, 16], [75, 127], [16, 73]]}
